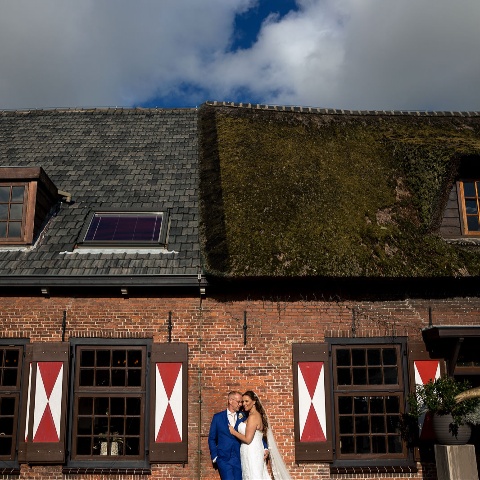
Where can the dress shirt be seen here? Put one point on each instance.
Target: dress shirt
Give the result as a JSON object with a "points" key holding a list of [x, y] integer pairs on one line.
{"points": [[232, 417]]}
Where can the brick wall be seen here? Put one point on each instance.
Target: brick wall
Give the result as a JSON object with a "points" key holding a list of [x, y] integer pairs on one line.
{"points": [[218, 359]]}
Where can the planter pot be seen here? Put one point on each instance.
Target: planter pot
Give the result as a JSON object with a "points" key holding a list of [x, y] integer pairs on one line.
{"points": [[113, 448], [441, 427]]}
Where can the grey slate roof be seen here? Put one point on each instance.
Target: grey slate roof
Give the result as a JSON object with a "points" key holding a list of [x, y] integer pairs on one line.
{"points": [[142, 159]]}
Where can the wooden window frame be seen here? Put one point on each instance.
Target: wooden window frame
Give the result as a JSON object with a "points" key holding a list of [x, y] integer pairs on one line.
{"points": [[28, 214], [320, 354], [362, 461], [40, 196], [462, 207], [10, 462], [469, 366], [124, 462], [370, 391]]}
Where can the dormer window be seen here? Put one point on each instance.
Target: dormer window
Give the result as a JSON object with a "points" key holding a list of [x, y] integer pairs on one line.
{"points": [[12, 210], [26, 197], [469, 204], [107, 229]]}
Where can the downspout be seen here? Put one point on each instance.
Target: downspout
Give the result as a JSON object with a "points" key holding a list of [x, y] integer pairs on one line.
{"points": [[199, 474], [200, 400]]}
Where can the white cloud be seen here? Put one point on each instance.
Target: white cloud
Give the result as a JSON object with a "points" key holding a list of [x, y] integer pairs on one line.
{"points": [[373, 54], [412, 54], [112, 52], [368, 54]]}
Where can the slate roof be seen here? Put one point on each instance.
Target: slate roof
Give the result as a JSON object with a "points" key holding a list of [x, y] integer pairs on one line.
{"points": [[143, 159], [331, 194]]}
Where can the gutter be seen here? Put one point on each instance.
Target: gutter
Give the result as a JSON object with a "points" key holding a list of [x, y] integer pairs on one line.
{"points": [[102, 281]]}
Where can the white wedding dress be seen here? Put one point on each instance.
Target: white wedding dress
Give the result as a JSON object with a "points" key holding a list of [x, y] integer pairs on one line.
{"points": [[251, 456]]}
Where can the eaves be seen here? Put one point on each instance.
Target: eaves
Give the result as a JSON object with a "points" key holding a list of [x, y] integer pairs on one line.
{"points": [[71, 281]]}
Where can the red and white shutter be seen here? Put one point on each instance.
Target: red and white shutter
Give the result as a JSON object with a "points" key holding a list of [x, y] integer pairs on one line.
{"points": [[311, 401], [313, 436], [422, 369], [44, 406], [168, 405], [168, 440]]}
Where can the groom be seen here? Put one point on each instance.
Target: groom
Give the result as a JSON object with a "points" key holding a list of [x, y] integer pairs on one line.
{"points": [[224, 447]]}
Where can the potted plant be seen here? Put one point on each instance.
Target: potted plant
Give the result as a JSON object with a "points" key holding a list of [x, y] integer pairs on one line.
{"points": [[447, 400], [113, 440]]}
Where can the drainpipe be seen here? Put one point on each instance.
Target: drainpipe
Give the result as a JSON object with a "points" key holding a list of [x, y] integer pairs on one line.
{"points": [[199, 445], [199, 424]]}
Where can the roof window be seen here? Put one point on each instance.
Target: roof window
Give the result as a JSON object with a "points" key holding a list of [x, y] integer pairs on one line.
{"points": [[125, 229]]}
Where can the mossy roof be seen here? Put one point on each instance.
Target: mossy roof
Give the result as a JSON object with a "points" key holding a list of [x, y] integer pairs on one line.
{"points": [[288, 193]]}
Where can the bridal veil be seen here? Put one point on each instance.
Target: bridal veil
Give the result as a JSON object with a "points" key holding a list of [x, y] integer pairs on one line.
{"points": [[279, 468]]}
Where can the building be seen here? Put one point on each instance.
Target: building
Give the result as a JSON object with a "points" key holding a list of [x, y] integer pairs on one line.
{"points": [[153, 260]]}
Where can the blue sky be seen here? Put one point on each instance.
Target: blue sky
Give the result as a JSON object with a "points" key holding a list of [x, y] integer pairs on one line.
{"points": [[348, 54], [246, 28], [247, 25]]}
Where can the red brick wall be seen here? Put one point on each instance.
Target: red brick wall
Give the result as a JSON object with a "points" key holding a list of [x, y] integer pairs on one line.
{"points": [[218, 359]]}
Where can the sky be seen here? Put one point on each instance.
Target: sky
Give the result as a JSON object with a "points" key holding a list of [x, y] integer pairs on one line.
{"points": [[344, 54]]}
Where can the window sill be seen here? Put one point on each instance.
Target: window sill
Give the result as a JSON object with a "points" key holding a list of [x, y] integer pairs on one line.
{"points": [[84, 249], [373, 470], [106, 471], [10, 471], [465, 240]]}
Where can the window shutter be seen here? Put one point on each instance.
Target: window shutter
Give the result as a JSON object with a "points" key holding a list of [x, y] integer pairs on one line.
{"points": [[42, 428], [312, 401], [168, 403], [421, 369]]}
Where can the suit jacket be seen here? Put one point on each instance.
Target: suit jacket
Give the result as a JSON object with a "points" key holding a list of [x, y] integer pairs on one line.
{"points": [[221, 442]]}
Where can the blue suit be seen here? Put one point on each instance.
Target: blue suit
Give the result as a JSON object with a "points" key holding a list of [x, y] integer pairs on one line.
{"points": [[225, 447]]}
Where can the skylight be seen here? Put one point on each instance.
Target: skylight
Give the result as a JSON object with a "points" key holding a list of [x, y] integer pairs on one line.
{"points": [[125, 228]]}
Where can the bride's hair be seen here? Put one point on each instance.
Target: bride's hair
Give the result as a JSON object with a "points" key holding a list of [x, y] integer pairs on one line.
{"points": [[258, 404]]}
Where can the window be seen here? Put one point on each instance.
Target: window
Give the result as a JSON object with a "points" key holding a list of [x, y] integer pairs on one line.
{"points": [[349, 398], [109, 402], [26, 197], [125, 228], [10, 375], [368, 401], [469, 204], [12, 211], [104, 403]]}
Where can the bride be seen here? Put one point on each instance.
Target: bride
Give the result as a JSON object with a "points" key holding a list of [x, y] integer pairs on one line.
{"points": [[251, 433]]}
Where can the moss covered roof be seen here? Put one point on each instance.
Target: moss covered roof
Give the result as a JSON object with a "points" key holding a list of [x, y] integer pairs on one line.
{"points": [[329, 194]]}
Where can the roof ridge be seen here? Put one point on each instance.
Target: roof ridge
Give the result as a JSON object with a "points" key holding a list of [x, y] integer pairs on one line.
{"points": [[116, 110], [335, 111]]}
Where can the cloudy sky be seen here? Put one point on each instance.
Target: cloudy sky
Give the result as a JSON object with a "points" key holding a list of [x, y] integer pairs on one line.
{"points": [[351, 54]]}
